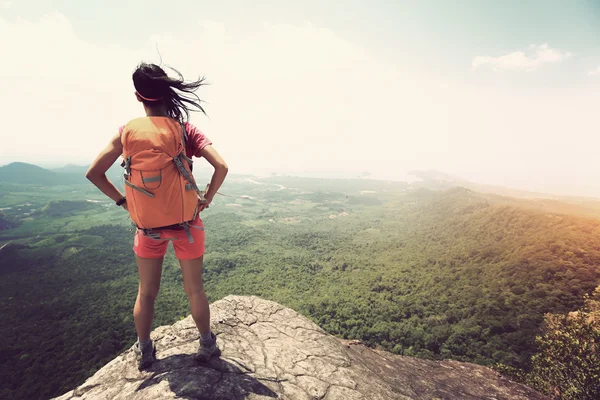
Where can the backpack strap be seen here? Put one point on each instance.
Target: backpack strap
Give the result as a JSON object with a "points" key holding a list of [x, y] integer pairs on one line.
{"points": [[155, 233], [183, 134], [184, 137], [139, 189], [187, 174], [178, 161], [187, 226]]}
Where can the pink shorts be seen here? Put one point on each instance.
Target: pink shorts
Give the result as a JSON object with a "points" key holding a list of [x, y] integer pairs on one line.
{"points": [[147, 247]]}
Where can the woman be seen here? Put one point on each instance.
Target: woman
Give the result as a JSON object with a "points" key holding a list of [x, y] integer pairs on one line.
{"points": [[166, 101]]}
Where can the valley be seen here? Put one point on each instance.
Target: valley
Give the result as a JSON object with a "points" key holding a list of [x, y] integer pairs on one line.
{"points": [[427, 269]]}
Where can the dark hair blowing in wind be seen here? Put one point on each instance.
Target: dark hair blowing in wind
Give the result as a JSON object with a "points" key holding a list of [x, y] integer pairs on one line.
{"points": [[156, 88]]}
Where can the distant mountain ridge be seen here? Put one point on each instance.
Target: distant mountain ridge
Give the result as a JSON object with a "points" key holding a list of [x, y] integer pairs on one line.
{"points": [[69, 174], [24, 173], [114, 171], [448, 181], [71, 169]]}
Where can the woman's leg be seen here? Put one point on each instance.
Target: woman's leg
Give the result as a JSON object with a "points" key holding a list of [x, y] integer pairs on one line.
{"points": [[150, 270], [194, 288]]}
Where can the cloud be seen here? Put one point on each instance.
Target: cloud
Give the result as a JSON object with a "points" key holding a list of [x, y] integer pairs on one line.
{"points": [[594, 72], [280, 94], [288, 98], [520, 61]]}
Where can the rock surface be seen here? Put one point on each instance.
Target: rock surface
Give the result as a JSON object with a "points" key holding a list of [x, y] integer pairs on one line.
{"points": [[270, 351]]}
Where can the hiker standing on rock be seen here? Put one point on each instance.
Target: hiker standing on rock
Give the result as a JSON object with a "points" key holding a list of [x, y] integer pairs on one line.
{"points": [[162, 197]]}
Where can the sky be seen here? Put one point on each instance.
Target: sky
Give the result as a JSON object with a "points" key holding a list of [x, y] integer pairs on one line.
{"points": [[502, 93]]}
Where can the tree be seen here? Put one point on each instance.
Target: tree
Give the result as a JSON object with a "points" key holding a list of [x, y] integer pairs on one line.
{"points": [[568, 362]]}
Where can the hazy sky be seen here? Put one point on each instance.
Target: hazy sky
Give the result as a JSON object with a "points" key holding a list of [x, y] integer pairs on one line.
{"points": [[502, 92]]}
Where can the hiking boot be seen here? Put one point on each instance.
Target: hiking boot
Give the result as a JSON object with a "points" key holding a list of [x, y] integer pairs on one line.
{"points": [[207, 349], [146, 356]]}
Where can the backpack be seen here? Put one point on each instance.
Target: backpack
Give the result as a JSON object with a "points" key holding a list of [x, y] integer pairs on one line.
{"points": [[160, 189]]}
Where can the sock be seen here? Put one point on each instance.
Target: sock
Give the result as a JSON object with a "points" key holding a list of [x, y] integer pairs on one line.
{"points": [[205, 337], [144, 343]]}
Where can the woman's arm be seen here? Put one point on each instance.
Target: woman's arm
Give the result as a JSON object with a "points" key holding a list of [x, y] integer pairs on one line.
{"points": [[97, 171], [221, 169]]}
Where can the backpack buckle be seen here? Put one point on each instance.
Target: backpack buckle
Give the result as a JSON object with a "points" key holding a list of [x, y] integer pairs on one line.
{"points": [[127, 165]]}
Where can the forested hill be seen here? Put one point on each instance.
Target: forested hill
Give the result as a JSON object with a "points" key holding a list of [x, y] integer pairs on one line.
{"points": [[23, 173], [449, 274], [435, 274], [30, 174]]}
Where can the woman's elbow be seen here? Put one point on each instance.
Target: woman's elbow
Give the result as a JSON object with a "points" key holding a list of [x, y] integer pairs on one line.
{"points": [[223, 167], [91, 175]]}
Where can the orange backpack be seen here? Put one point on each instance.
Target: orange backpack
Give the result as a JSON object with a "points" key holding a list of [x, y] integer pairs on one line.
{"points": [[160, 189]]}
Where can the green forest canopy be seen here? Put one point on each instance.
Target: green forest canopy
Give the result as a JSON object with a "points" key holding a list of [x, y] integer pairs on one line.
{"points": [[429, 273]]}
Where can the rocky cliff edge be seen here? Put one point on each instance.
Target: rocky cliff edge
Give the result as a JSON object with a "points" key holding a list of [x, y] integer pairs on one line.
{"points": [[272, 352]]}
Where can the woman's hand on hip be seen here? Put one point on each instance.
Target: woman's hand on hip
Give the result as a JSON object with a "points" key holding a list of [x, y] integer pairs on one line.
{"points": [[203, 204]]}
